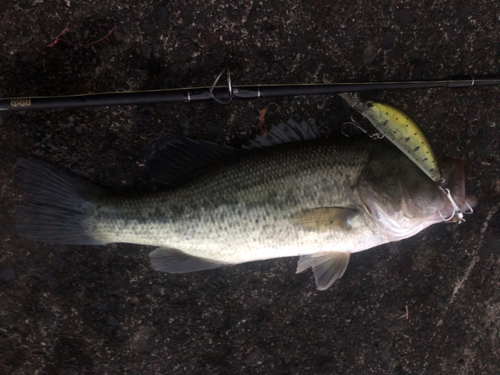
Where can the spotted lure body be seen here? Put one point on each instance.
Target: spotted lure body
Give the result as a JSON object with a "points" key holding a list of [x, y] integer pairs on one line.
{"points": [[397, 127]]}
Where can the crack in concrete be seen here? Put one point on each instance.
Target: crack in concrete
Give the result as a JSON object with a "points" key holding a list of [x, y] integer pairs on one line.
{"points": [[476, 258]]}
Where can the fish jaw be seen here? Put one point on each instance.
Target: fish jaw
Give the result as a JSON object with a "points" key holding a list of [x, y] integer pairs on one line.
{"points": [[396, 226], [414, 210], [402, 201]]}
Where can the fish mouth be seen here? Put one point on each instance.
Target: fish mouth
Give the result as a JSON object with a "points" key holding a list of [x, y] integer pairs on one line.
{"points": [[445, 201], [454, 179], [396, 226]]}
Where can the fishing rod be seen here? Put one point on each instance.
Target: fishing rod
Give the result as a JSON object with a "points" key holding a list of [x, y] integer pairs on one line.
{"points": [[224, 94]]}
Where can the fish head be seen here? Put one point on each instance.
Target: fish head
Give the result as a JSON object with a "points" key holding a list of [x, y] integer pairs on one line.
{"points": [[402, 200]]}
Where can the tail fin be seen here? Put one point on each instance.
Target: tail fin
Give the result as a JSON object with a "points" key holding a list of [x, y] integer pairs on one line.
{"points": [[57, 206]]}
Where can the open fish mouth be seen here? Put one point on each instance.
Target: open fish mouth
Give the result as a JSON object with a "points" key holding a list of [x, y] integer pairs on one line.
{"points": [[404, 214], [400, 224]]}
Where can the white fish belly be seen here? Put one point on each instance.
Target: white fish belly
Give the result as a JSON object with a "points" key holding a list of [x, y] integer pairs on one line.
{"points": [[237, 234]]}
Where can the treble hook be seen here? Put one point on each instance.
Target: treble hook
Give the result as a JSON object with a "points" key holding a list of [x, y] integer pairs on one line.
{"points": [[377, 136], [470, 210], [357, 125], [457, 213], [229, 87], [353, 123], [460, 218]]}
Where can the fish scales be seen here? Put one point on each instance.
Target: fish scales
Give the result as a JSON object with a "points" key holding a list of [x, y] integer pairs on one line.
{"points": [[238, 210]]}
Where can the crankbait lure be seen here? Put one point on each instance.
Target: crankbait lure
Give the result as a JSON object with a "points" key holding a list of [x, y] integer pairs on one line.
{"points": [[397, 127]]}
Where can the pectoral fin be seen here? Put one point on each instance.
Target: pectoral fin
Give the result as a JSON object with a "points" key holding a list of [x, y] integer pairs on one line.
{"points": [[175, 261], [324, 218], [327, 267]]}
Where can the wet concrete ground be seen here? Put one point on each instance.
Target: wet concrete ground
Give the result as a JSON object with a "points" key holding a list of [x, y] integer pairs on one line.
{"points": [[426, 305]]}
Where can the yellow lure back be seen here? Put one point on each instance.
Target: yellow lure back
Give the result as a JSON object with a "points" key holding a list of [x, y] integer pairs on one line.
{"points": [[397, 127]]}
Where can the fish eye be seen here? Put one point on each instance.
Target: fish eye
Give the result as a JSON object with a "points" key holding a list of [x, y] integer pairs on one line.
{"points": [[369, 104]]}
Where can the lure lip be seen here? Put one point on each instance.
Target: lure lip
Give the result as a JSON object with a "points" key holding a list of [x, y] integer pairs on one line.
{"points": [[353, 102]]}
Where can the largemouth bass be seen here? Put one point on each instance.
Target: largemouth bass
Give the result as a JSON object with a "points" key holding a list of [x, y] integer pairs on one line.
{"points": [[319, 199]]}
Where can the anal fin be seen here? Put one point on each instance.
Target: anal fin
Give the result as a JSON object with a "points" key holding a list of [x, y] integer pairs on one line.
{"points": [[327, 267], [175, 261]]}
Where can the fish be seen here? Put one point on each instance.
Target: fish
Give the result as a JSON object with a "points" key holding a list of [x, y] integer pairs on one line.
{"points": [[401, 130], [291, 193]]}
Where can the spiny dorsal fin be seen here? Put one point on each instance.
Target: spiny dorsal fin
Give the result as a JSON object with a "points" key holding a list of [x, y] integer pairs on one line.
{"points": [[291, 131], [183, 156], [175, 261], [324, 218], [327, 267]]}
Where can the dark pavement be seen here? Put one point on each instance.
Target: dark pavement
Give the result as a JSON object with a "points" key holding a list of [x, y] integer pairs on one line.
{"points": [[72, 310]]}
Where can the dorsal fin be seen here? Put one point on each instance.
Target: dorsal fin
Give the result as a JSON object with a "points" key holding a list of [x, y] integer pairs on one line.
{"points": [[291, 131], [183, 156]]}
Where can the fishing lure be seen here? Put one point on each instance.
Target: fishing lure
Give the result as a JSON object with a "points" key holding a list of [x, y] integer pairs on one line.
{"points": [[397, 127]]}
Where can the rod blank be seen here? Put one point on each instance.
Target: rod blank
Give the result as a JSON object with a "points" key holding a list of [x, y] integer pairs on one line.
{"points": [[223, 94]]}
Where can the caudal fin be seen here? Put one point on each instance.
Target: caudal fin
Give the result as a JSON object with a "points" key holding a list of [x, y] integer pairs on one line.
{"points": [[56, 207]]}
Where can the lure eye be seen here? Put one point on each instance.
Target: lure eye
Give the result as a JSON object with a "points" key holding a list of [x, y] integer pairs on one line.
{"points": [[369, 104]]}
